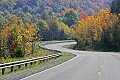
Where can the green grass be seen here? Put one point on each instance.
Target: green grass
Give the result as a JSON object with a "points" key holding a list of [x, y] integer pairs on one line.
{"points": [[87, 49], [36, 67], [69, 46], [37, 53]]}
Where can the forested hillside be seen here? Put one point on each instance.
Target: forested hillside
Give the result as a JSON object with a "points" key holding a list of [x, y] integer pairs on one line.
{"points": [[46, 14], [100, 31], [52, 7], [92, 23]]}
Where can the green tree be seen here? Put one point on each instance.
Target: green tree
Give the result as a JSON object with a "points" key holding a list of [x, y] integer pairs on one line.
{"points": [[43, 29], [116, 36], [70, 18], [115, 8], [45, 16]]}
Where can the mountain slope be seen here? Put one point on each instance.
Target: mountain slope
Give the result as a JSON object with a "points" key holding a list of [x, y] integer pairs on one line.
{"points": [[53, 7]]}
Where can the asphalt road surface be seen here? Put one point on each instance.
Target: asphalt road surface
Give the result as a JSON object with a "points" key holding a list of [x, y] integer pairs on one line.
{"points": [[86, 66]]}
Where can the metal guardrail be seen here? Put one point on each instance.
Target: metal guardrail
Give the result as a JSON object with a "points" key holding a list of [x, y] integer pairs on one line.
{"points": [[25, 62], [11, 65]]}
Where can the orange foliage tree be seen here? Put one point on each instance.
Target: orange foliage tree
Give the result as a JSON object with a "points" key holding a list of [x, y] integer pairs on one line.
{"points": [[90, 29]]}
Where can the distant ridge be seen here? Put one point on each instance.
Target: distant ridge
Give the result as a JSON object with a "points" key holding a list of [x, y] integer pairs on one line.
{"points": [[53, 7]]}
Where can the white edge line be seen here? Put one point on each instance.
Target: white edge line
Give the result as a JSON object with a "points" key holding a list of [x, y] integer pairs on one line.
{"points": [[63, 64], [51, 68], [60, 65]]}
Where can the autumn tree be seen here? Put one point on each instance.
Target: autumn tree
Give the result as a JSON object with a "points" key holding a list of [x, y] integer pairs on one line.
{"points": [[96, 30], [17, 35]]}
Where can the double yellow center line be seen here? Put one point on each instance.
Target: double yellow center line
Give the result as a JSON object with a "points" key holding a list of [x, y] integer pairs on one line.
{"points": [[101, 66]]}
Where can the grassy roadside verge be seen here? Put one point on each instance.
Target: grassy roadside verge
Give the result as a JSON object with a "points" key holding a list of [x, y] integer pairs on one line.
{"points": [[36, 67], [89, 49], [69, 46], [37, 53]]}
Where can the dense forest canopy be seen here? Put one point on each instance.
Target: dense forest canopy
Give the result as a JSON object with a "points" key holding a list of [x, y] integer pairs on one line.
{"points": [[92, 23], [53, 7], [50, 11]]}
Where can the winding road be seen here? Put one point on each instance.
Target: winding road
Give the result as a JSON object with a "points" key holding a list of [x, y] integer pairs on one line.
{"points": [[85, 66]]}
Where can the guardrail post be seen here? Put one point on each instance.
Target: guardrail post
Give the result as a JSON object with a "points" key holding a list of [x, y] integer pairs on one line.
{"points": [[26, 65], [35, 62], [43, 60], [19, 66], [31, 63], [3, 71], [12, 68], [26, 62], [39, 61]]}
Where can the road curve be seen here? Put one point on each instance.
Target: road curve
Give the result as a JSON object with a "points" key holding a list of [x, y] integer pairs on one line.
{"points": [[86, 66]]}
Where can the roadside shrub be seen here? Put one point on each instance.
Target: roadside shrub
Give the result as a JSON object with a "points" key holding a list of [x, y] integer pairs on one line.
{"points": [[19, 53]]}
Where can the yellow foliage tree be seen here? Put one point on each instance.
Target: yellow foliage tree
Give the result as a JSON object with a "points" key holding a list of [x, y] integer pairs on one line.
{"points": [[17, 35]]}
